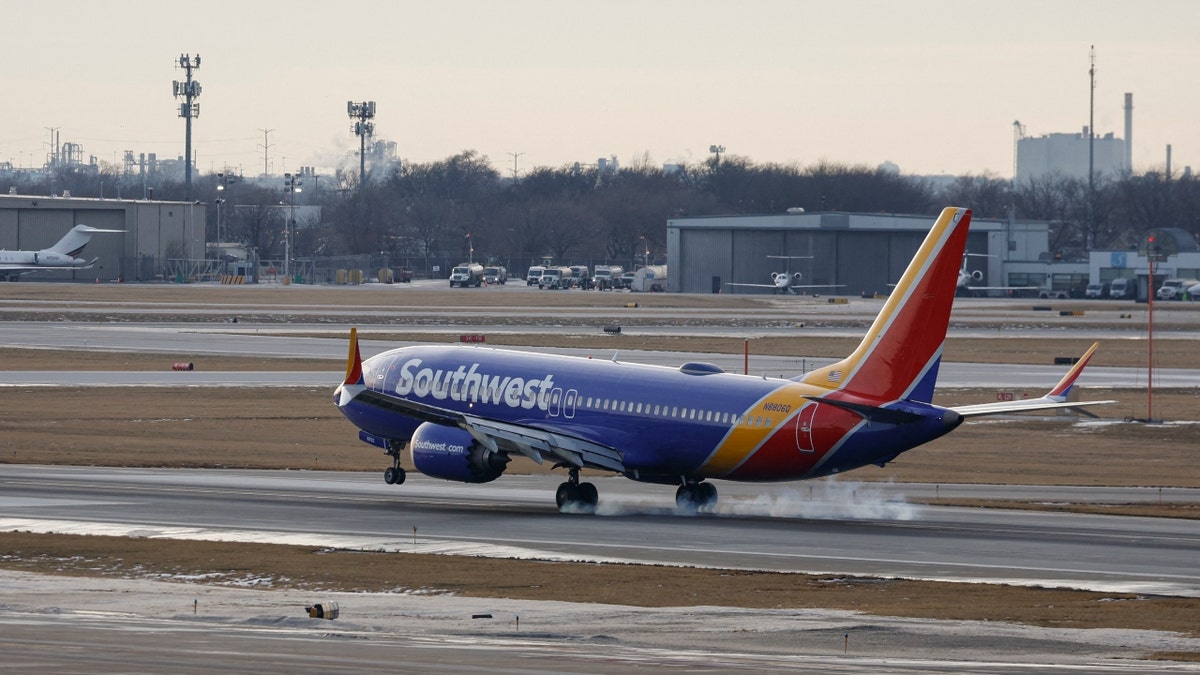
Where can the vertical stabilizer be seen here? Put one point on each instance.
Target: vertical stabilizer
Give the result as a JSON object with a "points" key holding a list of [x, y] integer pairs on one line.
{"points": [[73, 242], [898, 358]]}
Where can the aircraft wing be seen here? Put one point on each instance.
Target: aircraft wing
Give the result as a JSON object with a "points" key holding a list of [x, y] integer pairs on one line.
{"points": [[1000, 288], [536, 444], [1055, 398], [730, 283]]}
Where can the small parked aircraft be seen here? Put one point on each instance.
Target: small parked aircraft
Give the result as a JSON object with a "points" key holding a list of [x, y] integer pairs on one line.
{"points": [[786, 281], [59, 256]]}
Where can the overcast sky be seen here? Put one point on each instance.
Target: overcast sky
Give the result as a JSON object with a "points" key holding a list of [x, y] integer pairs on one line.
{"points": [[933, 86]]}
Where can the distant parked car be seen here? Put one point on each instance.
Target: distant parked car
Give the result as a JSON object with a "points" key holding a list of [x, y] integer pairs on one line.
{"points": [[1094, 291]]}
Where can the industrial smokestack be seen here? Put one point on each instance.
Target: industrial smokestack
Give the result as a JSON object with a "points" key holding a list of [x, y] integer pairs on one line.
{"points": [[1168, 161], [1128, 133]]}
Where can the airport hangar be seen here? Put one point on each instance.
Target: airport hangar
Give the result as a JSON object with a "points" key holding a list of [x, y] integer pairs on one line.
{"points": [[862, 253], [155, 233]]}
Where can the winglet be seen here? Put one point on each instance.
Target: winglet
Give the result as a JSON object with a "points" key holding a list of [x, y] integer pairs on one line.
{"points": [[1063, 388], [354, 372]]}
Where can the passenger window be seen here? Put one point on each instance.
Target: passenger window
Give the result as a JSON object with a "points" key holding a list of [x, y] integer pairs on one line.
{"points": [[639, 408]]}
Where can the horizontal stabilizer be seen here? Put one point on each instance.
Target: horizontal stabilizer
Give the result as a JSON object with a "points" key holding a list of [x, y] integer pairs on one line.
{"points": [[1055, 398], [870, 412]]}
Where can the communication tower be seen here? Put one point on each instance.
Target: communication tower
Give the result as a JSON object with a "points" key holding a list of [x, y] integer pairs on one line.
{"points": [[363, 112], [189, 91]]}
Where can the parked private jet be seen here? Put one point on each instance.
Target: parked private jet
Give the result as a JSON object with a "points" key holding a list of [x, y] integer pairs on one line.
{"points": [[465, 411], [59, 256], [786, 281], [965, 277]]}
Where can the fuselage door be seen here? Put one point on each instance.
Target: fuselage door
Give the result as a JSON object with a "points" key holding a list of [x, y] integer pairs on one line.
{"points": [[570, 400], [804, 427], [556, 401]]}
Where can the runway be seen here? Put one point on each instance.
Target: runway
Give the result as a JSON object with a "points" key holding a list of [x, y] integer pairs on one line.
{"points": [[819, 527], [276, 342], [833, 527]]}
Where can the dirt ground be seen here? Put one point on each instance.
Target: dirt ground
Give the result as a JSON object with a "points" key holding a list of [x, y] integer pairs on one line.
{"points": [[638, 585]]}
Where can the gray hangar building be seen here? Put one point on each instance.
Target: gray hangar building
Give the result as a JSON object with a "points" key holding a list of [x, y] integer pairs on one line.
{"points": [[153, 234], [860, 253]]}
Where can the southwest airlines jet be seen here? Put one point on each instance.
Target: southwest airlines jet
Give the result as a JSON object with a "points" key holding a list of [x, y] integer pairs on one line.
{"points": [[465, 411]]}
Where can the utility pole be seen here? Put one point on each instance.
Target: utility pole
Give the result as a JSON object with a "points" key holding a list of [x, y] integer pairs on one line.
{"points": [[189, 89], [515, 155], [1091, 144], [291, 185], [266, 148], [53, 160]]}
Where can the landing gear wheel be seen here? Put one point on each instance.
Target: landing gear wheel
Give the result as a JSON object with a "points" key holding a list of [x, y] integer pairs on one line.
{"points": [[394, 475], [575, 497], [696, 497]]}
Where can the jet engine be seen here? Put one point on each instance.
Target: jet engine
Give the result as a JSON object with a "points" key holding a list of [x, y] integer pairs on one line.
{"points": [[977, 275], [453, 454]]}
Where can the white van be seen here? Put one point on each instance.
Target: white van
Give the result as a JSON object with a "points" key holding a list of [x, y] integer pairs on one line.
{"points": [[1122, 288], [534, 275]]}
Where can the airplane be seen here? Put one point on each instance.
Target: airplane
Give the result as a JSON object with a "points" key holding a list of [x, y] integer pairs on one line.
{"points": [[465, 411], [786, 282], [965, 277], [13, 264]]}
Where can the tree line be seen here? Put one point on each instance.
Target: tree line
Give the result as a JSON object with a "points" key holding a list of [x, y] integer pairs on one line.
{"points": [[462, 206]]}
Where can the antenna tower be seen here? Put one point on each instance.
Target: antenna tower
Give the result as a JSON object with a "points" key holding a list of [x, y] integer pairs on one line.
{"points": [[189, 90]]}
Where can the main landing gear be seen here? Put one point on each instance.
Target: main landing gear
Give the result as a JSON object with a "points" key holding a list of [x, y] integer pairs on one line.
{"points": [[696, 496], [575, 497], [394, 475]]}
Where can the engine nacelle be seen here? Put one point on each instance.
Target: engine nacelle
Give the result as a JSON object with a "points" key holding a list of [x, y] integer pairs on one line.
{"points": [[977, 275], [452, 454]]}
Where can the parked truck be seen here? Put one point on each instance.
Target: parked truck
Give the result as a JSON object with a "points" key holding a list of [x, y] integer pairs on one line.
{"points": [[466, 274], [555, 277], [605, 277], [495, 274], [650, 279]]}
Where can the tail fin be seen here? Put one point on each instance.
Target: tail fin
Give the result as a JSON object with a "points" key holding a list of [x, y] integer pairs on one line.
{"points": [[354, 372], [74, 241], [354, 384], [899, 356]]}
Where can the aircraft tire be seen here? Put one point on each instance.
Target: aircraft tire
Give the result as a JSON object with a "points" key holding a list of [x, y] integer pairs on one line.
{"points": [[394, 476], [685, 498], [706, 496], [578, 498], [588, 495], [564, 495]]}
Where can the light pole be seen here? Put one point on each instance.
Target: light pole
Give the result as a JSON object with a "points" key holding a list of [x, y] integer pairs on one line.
{"points": [[218, 201], [716, 150], [291, 185]]}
